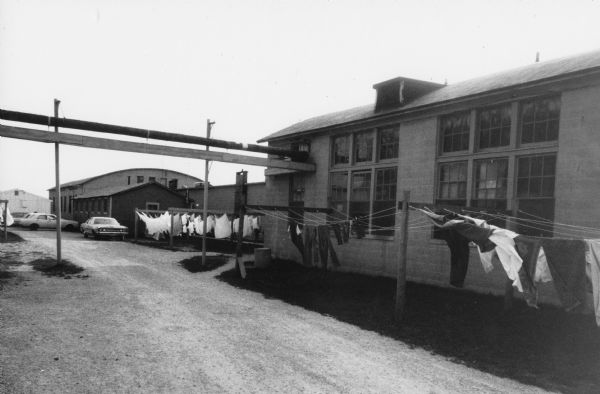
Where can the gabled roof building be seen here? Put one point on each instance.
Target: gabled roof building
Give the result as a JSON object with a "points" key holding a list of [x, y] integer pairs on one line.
{"points": [[524, 141]]}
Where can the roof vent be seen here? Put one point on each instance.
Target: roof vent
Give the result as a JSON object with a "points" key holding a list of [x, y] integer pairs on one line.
{"points": [[396, 92]]}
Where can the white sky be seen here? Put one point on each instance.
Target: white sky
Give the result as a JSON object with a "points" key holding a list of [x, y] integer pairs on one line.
{"points": [[252, 66]]}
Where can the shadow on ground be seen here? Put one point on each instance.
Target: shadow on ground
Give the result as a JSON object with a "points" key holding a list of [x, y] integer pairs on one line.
{"points": [[10, 237], [66, 269], [547, 347], [194, 264]]}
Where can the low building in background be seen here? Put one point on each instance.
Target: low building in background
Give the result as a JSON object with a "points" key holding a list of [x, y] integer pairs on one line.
{"points": [[128, 177], [222, 198], [21, 201], [120, 202]]}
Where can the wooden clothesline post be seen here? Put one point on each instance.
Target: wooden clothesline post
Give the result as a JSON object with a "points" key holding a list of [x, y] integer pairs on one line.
{"points": [[241, 181], [209, 125], [57, 205], [401, 272], [5, 202]]}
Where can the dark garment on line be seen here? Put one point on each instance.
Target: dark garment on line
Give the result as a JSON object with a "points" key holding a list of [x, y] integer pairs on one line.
{"points": [[346, 231], [307, 241], [338, 233], [459, 255], [296, 239], [334, 258], [566, 260], [528, 249], [476, 234], [323, 232]]}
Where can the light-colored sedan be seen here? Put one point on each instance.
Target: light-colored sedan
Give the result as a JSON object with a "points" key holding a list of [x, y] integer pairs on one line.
{"points": [[45, 220], [103, 227]]}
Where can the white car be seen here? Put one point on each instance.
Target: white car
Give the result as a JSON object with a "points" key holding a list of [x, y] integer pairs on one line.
{"points": [[103, 227], [45, 220]]}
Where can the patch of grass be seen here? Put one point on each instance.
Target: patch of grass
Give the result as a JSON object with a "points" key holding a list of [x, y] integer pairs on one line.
{"points": [[48, 267], [194, 264], [547, 347]]}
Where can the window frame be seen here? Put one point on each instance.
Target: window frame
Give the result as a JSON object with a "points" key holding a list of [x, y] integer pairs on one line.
{"points": [[355, 146], [521, 122], [442, 135], [395, 129], [349, 148], [478, 129]]}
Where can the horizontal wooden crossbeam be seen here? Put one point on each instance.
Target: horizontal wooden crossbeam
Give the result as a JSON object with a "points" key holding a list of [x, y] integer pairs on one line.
{"points": [[140, 147]]}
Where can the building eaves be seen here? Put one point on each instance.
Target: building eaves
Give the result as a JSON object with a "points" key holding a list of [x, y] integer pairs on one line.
{"points": [[115, 190], [533, 73]]}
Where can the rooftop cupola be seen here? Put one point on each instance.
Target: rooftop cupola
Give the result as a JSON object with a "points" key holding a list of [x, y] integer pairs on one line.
{"points": [[396, 92]]}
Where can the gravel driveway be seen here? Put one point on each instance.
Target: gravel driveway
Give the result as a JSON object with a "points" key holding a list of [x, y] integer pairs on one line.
{"points": [[142, 323]]}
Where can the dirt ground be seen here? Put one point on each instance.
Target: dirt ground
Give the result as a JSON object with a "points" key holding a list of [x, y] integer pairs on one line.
{"points": [[137, 321]]}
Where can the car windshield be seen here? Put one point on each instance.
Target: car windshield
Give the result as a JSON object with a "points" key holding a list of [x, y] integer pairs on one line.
{"points": [[106, 221]]}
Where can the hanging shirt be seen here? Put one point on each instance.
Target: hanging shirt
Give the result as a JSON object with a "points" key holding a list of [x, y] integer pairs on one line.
{"points": [[593, 262], [542, 271], [177, 225], [566, 260], [508, 256], [222, 227], [248, 232], [210, 223]]}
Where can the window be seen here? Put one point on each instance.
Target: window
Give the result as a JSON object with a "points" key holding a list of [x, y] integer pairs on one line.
{"points": [[384, 205], [360, 196], [539, 120], [490, 184], [173, 184], [388, 143], [16, 192], [338, 195], [152, 179], [153, 206], [105, 205], [302, 146], [452, 186], [341, 150], [363, 147], [535, 177], [129, 180], [494, 127], [455, 132], [297, 188], [140, 179], [535, 194]]}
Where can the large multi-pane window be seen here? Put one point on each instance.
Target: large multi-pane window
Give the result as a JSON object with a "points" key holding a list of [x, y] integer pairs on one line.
{"points": [[536, 177], [338, 194], [540, 120], [452, 184], [490, 183], [384, 204], [363, 147], [389, 143], [341, 150], [360, 197], [494, 127], [455, 132]]}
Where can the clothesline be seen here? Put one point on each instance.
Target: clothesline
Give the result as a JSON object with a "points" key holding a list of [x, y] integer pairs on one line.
{"points": [[527, 260]]}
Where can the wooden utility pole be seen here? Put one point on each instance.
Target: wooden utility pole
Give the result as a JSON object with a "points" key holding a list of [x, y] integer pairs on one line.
{"points": [[401, 273], [241, 199], [209, 125], [57, 205]]}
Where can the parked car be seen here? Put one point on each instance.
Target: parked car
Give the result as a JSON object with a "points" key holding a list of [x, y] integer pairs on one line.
{"points": [[45, 220], [103, 227], [18, 216]]}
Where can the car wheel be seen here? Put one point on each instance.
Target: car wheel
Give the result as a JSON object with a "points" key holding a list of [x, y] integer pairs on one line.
{"points": [[69, 227], [122, 238], [34, 227], [85, 234], [95, 234]]}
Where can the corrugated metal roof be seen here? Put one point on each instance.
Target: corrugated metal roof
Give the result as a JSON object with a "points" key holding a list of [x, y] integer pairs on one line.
{"points": [[477, 86]]}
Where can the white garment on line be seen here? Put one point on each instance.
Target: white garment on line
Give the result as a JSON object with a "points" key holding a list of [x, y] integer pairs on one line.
{"points": [[508, 256], [247, 231], [542, 271], [222, 227], [9, 219]]}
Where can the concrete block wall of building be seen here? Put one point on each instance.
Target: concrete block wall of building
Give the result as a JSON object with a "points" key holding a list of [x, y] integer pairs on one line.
{"points": [[568, 196]]}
